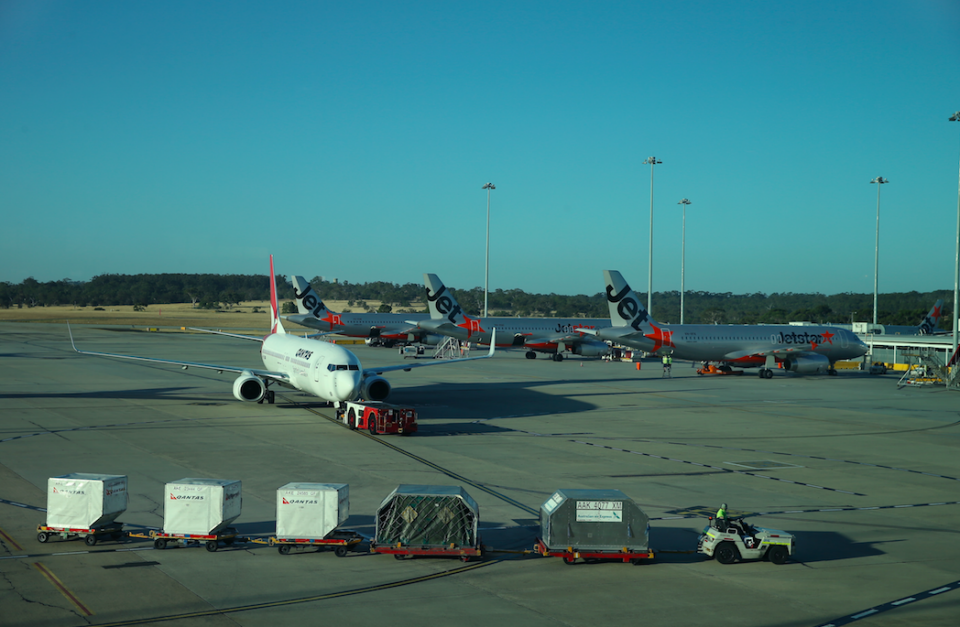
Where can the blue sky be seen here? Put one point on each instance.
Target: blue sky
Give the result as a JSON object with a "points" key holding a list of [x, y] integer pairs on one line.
{"points": [[351, 140]]}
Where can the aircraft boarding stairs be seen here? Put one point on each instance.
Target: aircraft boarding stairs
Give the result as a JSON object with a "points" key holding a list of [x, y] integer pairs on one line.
{"points": [[930, 371]]}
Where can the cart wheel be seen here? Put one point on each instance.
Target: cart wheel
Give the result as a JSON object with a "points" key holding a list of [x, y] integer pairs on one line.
{"points": [[372, 426], [464, 558], [42, 537], [398, 556], [636, 562], [160, 544], [212, 546], [352, 419], [90, 540], [726, 553], [569, 560], [284, 549], [340, 551]]}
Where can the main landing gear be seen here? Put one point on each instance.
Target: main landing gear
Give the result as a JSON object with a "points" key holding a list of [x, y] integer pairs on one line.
{"points": [[766, 373], [557, 357], [268, 396], [530, 355]]}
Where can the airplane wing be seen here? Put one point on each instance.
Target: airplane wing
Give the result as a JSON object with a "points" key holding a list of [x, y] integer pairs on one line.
{"points": [[266, 374], [435, 362], [235, 335], [556, 338], [806, 348]]}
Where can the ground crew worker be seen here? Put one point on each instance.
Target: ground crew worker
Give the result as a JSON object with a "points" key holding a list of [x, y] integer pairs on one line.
{"points": [[722, 517], [667, 364]]}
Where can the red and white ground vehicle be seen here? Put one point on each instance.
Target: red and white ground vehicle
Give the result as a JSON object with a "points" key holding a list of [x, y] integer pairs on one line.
{"points": [[378, 418]]}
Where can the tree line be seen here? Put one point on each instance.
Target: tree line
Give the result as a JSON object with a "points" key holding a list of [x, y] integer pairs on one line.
{"points": [[217, 290]]}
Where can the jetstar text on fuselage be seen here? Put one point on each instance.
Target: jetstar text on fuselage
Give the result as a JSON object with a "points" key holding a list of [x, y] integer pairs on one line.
{"points": [[802, 338], [572, 328]]}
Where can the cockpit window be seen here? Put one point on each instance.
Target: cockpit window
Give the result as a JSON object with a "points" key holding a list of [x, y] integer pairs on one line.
{"points": [[341, 366], [354, 367], [331, 367]]}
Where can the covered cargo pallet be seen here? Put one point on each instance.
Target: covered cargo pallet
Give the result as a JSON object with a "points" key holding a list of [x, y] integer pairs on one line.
{"points": [[85, 500], [422, 519], [200, 506], [311, 511], [594, 521]]}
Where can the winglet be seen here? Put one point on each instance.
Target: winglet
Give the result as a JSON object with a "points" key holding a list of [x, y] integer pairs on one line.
{"points": [[493, 341], [72, 343]]}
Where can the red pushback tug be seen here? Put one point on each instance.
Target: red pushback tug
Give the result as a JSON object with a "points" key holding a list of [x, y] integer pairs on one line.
{"points": [[378, 418]]}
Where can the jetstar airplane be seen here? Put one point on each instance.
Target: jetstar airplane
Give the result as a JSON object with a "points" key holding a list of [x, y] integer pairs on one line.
{"points": [[325, 370], [805, 350], [379, 329], [546, 335]]}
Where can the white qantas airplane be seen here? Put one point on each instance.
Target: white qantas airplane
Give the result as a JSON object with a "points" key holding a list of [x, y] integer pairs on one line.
{"points": [[380, 329], [547, 335], [324, 370], [800, 349]]}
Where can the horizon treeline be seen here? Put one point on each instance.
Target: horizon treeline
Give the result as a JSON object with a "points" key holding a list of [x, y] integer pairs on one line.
{"points": [[215, 290]]}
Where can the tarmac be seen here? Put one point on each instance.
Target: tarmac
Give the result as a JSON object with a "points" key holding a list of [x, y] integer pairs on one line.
{"points": [[866, 476]]}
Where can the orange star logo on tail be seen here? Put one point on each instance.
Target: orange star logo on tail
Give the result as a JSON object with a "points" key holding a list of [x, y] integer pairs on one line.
{"points": [[660, 338], [472, 325], [333, 319]]}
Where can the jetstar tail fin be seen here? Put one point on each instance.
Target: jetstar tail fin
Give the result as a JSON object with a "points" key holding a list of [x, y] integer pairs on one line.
{"points": [[275, 325], [625, 307], [308, 301], [928, 326], [441, 302]]}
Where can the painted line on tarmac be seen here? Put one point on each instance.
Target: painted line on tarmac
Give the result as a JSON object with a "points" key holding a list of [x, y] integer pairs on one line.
{"points": [[886, 607], [736, 472], [88, 428], [319, 597], [9, 540], [23, 505], [62, 553], [426, 462], [820, 510], [86, 611], [829, 459]]}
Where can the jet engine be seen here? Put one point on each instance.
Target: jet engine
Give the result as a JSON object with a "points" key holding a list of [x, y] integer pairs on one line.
{"points": [[807, 364], [591, 349], [431, 339], [374, 388], [249, 387]]}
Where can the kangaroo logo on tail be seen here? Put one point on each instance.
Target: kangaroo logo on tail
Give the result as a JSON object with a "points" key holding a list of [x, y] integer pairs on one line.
{"points": [[275, 325]]}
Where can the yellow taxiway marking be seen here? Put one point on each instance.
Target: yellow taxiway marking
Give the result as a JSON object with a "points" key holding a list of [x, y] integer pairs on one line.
{"points": [[6, 537], [63, 589]]}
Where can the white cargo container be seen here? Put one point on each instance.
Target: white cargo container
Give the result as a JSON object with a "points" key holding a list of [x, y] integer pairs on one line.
{"points": [[200, 506], [311, 511], [85, 500]]}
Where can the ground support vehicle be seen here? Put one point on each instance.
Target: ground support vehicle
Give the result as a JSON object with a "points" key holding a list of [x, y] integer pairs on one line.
{"points": [[401, 551], [571, 554], [711, 369], [114, 531], [211, 541], [340, 542], [735, 540], [378, 418]]}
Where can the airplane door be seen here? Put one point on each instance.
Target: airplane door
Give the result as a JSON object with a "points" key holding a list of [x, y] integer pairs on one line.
{"points": [[843, 339], [318, 369]]}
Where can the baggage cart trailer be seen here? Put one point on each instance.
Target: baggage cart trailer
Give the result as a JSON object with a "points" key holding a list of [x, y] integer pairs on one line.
{"points": [[340, 542], [90, 536], [228, 536], [570, 554], [428, 520]]}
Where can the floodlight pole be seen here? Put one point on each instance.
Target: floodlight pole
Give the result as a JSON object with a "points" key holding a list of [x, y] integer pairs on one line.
{"points": [[683, 251], [956, 273], [486, 268], [876, 249], [652, 161]]}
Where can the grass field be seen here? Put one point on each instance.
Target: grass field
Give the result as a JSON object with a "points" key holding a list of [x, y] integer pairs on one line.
{"points": [[170, 315]]}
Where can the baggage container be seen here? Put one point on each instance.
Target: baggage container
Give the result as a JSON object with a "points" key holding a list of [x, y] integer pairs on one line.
{"points": [[85, 500], [594, 520], [200, 506], [428, 516], [310, 511]]}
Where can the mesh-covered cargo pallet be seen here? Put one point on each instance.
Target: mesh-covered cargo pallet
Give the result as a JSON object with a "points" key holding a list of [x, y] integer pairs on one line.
{"points": [[428, 516]]}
